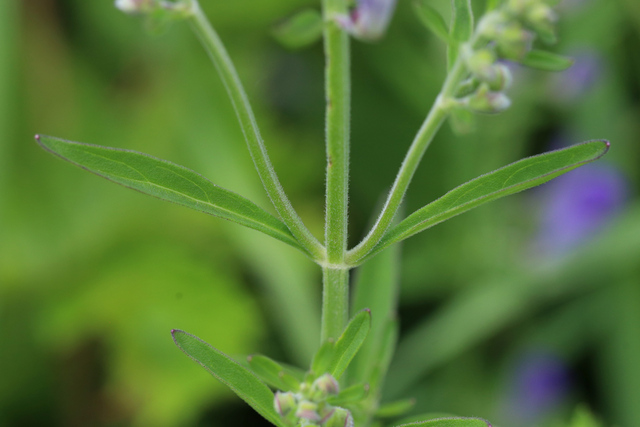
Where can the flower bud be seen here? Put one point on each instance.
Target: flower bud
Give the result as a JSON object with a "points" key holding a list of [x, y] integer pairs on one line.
{"points": [[369, 20], [487, 101], [339, 418], [308, 411], [514, 41], [323, 387], [480, 64], [542, 19], [503, 78], [284, 403]]}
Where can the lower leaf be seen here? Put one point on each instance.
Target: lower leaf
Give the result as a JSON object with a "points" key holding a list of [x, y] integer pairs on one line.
{"points": [[239, 379]]}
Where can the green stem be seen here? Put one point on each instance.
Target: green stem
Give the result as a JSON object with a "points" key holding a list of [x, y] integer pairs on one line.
{"points": [[335, 302], [240, 101], [421, 142], [338, 95]]}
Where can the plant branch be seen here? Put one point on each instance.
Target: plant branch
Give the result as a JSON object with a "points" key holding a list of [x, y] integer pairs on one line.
{"points": [[437, 115], [246, 117]]}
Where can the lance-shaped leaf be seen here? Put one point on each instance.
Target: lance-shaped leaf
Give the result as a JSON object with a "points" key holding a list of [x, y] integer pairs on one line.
{"points": [[449, 422], [510, 179], [462, 20], [239, 379], [431, 19], [168, 181], [299, 31], [274, 374], [461, 28], [546, 61], [323, 358], [349, 342]]}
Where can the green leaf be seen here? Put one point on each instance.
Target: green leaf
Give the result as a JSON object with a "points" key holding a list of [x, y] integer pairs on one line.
{"points": [[450, 422], [376, 287], [431, 19], [462, 20], [510, 179], [349, 395], [388, 348], [168, 181], [274, 374], [349, 342], [547, 61], [239, 379], [395, 409], [323, 358], [461, 28], [299, 31]]}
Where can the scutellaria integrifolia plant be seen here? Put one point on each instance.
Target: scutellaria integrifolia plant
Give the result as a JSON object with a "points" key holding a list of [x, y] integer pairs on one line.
{"points": [[343, 385]]}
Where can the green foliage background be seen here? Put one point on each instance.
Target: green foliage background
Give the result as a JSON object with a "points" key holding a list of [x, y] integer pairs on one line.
{"points": [[93, 277]]}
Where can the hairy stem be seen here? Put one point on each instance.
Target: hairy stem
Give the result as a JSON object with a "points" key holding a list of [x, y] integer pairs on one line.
{"points": [[338, 95], [240, 101], [335, 302]]}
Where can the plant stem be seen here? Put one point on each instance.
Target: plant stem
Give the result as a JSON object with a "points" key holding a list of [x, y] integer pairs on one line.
{"points": [[338, 95], [335, 302], [435, 118], [240, 101]]}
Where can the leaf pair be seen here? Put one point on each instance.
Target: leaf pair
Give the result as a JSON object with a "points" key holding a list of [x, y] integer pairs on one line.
{"points": [[168, 181]]}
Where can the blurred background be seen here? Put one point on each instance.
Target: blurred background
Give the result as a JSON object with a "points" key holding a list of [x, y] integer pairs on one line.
{"points": [[519, 311]]}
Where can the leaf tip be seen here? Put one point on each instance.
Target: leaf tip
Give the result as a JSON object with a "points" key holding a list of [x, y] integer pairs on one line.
{"points": [[605, 150], [37, 137], [175, 332]]}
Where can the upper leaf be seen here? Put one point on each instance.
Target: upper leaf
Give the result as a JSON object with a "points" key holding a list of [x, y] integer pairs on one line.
{"points": [[301, 30], [450, 422], [432, 19], [510, 179], [239, 379], [547, 61], [349, 342], [461, 28], [462, 20], [168, 181]]}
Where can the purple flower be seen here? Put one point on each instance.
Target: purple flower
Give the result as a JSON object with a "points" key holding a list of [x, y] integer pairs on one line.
{"points": [[369, 20], [540, 382], [578, 205]]}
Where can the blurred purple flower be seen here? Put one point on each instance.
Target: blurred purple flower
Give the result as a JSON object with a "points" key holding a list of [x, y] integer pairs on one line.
{"points": [[369, 20], [540, 382], [571, 84], [577, 205]]}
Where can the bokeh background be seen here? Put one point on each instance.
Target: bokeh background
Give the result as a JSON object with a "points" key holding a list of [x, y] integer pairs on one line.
{"points": [[519, 311]]}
